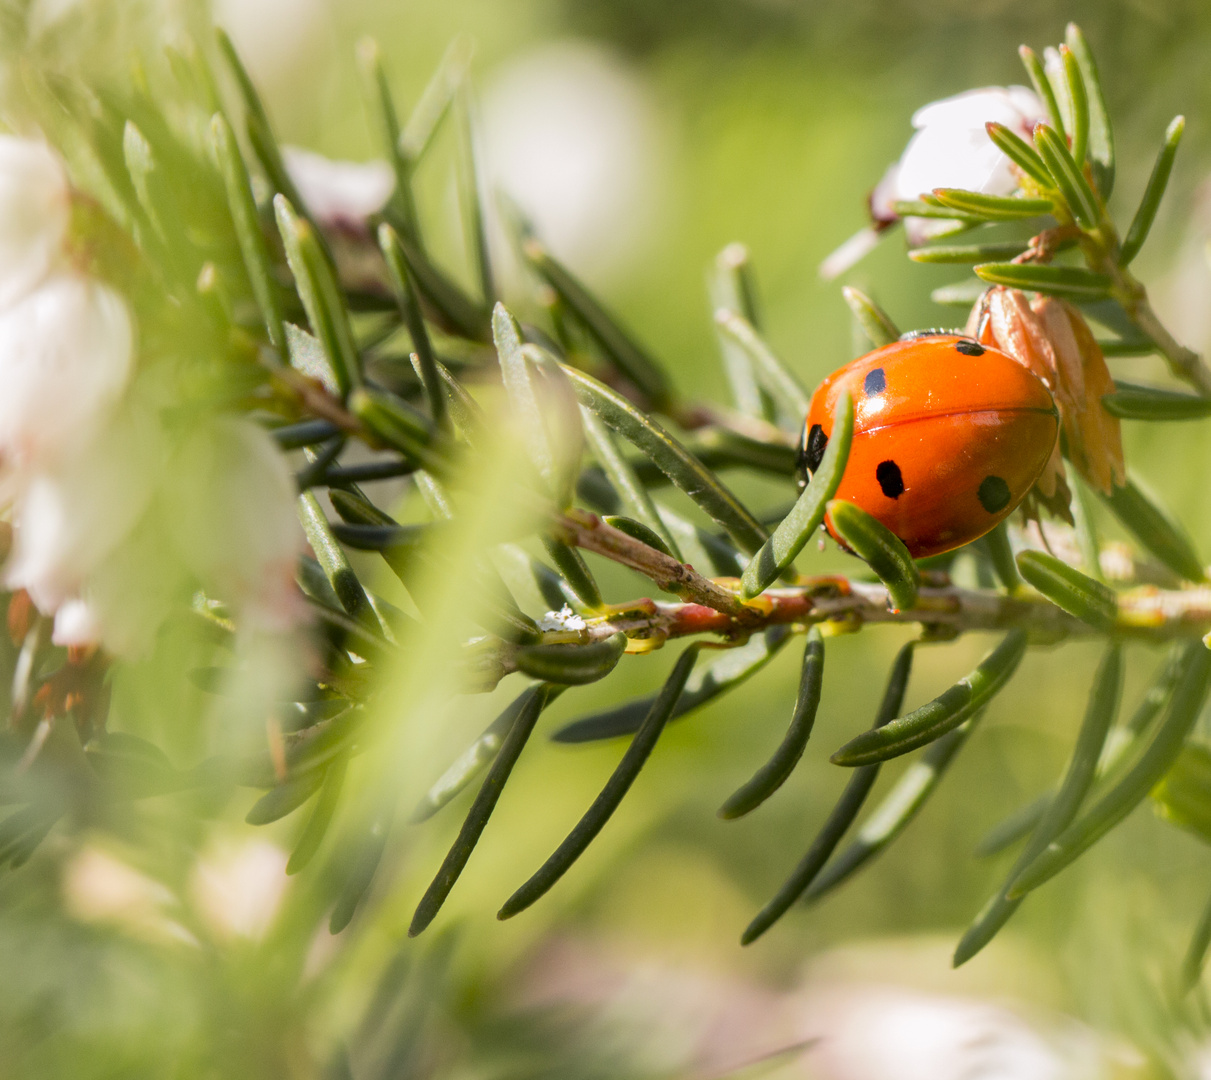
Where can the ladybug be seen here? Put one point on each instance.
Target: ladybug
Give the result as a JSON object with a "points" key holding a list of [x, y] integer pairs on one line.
{"points": [[949, 436]]}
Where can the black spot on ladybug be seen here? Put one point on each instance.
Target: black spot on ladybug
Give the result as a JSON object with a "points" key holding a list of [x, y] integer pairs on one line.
{"points": [[970, 348], [811, 451], [890, 480], [874, 383], [994, 494], [817, 441]]}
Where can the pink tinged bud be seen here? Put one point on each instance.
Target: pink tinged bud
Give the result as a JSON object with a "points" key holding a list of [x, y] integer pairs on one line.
{"points": [[66, 352], [35, 209], [339, 194]]}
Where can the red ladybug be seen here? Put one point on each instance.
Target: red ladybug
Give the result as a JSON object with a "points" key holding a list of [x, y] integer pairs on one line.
{"points": [[949, 436]]}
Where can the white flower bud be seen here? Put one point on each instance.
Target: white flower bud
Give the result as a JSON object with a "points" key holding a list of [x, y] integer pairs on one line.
{"points": [[35, 209], [339, 194], [952, 149], [238, 888], [234, 522], [66, 352]]}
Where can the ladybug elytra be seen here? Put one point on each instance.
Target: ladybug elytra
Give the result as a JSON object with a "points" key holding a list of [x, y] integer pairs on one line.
{"points": [[949, 436]]}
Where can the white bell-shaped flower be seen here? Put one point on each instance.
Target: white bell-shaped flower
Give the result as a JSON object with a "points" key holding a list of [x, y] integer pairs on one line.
{"points": [[68, 519], [951, 149], [66, 352], [35, 210]]}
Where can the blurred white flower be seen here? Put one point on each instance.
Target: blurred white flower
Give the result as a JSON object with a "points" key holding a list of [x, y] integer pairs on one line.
{"points": [[238, 888], [66, 352], [97, 887], [570, 137], [892, 1033], [67, 519], [35, 209], [76, 623], [951, 148], [339, 194], [234, 520]]}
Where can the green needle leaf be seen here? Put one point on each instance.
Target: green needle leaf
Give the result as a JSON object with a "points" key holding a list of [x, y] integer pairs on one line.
{"points": [[962, 294], [1133, 402], [1042, 85], [1021, 153], [287, 797], [1068, 588], [893, 815], [1189, 694], [409, 305], [668, 455], [321, 295], [771, 776], [321, 817], [260, 131], [732, 289], [944, 713], [471, 191], [365, 864], [882, 550], [778, 382], [992, 207], [1079, 102], [1000, 553], [536, 699], [1070, 282], [842, 815], [1101, 135], [247, 223], [779, 551], [397, 424], [572, 665], [1082, 769], [934, 210], [475, 758], [1155, 529], [1120, 743], [967, 253], [725, 672], [336, 566], [1153, 193], [1196, 954], [1069, 180], [570, 563], [631, 492], [616, 343], [612, 794], [385, 121], [875, 323], [449, 305]]}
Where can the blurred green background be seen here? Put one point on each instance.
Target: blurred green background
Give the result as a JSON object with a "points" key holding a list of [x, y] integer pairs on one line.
{"points": [[764, 121]]}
